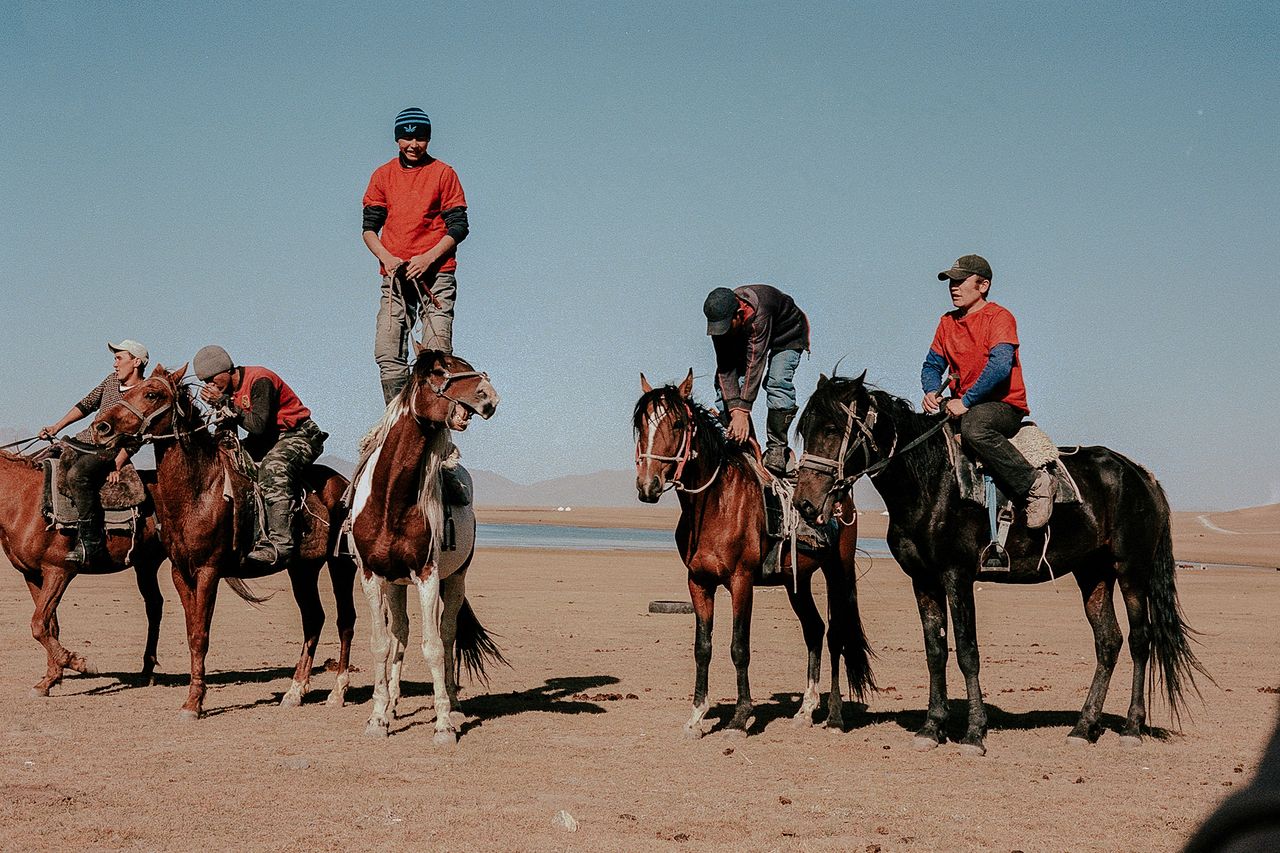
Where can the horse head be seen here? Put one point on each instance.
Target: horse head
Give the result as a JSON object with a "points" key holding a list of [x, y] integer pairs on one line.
{"points": [[153, 406], [838, 429], [664, 426], [445, 390]]}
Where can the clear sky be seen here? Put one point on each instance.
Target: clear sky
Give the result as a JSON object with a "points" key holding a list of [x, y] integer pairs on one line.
{"points": [[192, 173]]}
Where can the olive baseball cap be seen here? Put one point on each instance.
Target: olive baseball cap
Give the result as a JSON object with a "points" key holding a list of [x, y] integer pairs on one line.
{"points": [[720, 306], [965, 266], [130, 346]]}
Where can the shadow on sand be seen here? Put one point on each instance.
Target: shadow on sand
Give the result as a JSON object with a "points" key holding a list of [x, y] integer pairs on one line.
{"points": [[785, 705]]}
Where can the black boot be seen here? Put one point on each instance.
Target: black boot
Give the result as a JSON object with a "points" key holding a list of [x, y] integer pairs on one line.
{"points": [[775, 454], [391, 387], [277, 549], [88, 549]]}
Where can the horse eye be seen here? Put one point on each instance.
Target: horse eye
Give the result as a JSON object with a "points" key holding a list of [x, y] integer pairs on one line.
{"points": [[151, 395]]}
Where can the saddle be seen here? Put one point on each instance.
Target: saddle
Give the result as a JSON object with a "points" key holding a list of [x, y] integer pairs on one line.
{"points": [[251, 516], [784, 526], [122, 502], [1035, 446]]}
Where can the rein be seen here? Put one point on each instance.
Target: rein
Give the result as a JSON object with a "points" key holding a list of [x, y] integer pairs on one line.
{"points": [[835, 468], [146, 421]]}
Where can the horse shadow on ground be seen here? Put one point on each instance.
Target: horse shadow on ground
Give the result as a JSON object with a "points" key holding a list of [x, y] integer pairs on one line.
{"points": [[555, 696], [786, 705]]}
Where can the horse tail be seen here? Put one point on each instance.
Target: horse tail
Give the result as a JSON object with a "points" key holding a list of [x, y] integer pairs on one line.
{"points": [[1176, 664], [856, 650], [474, 647], [242, 589]]}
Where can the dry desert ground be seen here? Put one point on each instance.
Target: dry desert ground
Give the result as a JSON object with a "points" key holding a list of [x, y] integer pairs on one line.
{"points": [[588, 720]]}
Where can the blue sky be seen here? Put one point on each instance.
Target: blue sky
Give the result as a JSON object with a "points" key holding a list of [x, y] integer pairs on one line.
{"points": [[185, 175]]}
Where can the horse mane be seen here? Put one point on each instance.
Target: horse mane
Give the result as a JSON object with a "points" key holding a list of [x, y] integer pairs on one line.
{"points": [[712, 440], [10, 456]]}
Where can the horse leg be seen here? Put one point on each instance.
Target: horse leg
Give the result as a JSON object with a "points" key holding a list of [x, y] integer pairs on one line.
{"points": [[304, 577], [801, 596], [453, 590], [841, 607], [1100, 610], [45, 634], [931, 602], [45, 630], [398, 626], [964, 622], [198, 595], [704, 605], [741, 591], [1135, 602], [342, 574], [433, 651], [374, 587], [149, 586]]}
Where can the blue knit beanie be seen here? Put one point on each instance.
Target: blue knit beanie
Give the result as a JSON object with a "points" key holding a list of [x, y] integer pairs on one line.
{"points": [[413, 122]]}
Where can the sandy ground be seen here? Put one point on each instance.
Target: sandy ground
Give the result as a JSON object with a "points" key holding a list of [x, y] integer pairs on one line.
{"points": [[588, 720]]}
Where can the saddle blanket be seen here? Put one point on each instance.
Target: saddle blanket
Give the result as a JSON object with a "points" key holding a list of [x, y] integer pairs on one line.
{"points": [[1035, 446], [121, 501]]}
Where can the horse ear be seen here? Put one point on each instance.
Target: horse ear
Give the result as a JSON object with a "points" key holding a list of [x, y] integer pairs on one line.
{"points": [[644, 384], [862, 378], [179, 373], [822, 379], [418, 349], [686, 387]]}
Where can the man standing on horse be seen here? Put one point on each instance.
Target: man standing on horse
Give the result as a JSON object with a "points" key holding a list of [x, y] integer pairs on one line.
{"points": [[414, 214], [83, 469], [978, 344], [282, 439], [758, 334]]}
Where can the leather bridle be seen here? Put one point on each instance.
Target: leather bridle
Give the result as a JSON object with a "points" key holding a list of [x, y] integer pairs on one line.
{"points": [[684, 453]]}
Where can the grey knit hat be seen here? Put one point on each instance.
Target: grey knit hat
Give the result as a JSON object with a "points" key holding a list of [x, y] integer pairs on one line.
{"points": [[211, 361]]}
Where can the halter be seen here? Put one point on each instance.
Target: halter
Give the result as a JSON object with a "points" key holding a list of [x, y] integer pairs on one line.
{"points": [[145, 421], [449, 378], [835, 468], [684, 453]]}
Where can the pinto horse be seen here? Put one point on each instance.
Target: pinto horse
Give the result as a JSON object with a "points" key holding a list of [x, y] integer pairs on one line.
{"points": [[721, 538], [397, 528], [202, 531], [1118, 534], [39, 554]]}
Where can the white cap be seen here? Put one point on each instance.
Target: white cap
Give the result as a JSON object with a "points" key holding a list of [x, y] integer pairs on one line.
{"points": [[132, 347]]}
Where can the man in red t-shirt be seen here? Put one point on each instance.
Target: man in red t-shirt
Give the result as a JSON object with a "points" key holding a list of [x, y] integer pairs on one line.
{"points": [[978, 344], [414, 214]]}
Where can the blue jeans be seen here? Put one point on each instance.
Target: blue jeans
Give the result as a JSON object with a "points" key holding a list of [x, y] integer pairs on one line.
{"points": [[779, 389]]}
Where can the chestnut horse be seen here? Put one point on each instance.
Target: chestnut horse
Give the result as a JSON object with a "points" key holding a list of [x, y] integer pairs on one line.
{"points": [[721, 538], [1117, 534], [39, 554], [202, 531], [397, 527]]}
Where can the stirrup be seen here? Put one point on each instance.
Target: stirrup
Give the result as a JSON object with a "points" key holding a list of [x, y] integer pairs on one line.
{"points": [[994, 558]]}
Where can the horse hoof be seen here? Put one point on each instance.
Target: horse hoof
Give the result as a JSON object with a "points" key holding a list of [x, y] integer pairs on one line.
{"points": [[445, 739], [39, 692], [336, 700], [836, 728], [186, 714], [376, 729], [802, 721], [976, 750], [1130, 741], [924, 744], [1076, 740], [693, 732], [87, 668], [734, 733], [290, 700]]}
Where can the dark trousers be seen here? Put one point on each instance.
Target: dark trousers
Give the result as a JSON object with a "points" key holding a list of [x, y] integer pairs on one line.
{"points": [[82, 475], [986, 429]]}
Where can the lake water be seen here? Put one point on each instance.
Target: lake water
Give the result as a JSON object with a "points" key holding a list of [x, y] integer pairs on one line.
{"points": [[599, 538]]}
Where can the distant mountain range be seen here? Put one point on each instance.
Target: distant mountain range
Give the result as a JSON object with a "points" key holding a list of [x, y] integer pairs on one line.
{"points": [[609, 488]]}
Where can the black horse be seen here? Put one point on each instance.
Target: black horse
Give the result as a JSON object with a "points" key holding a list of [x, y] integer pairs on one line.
{"points": [[1118, 533]]}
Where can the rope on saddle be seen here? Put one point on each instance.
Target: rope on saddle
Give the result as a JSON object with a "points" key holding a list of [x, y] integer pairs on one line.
{"points": [[790, 522]]}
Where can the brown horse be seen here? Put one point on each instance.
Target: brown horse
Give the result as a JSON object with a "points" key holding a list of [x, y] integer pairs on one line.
{"points": [[203, 530], [397, 524], [722, 540], [39, 554]]}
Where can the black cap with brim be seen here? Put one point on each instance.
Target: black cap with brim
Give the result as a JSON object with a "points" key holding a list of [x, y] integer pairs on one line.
{"points": [[720, 306], [966, 266]]}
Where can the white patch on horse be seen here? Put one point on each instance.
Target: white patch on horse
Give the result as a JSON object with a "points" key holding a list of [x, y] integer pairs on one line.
{"points": [[364, 485]]}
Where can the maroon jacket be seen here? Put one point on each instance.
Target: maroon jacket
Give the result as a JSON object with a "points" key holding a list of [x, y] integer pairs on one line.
{"points": [[742, 356]]}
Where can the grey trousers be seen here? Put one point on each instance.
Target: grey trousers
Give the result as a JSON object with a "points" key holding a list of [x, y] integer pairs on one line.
{"points": [[987, 428], [398, 313]]}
